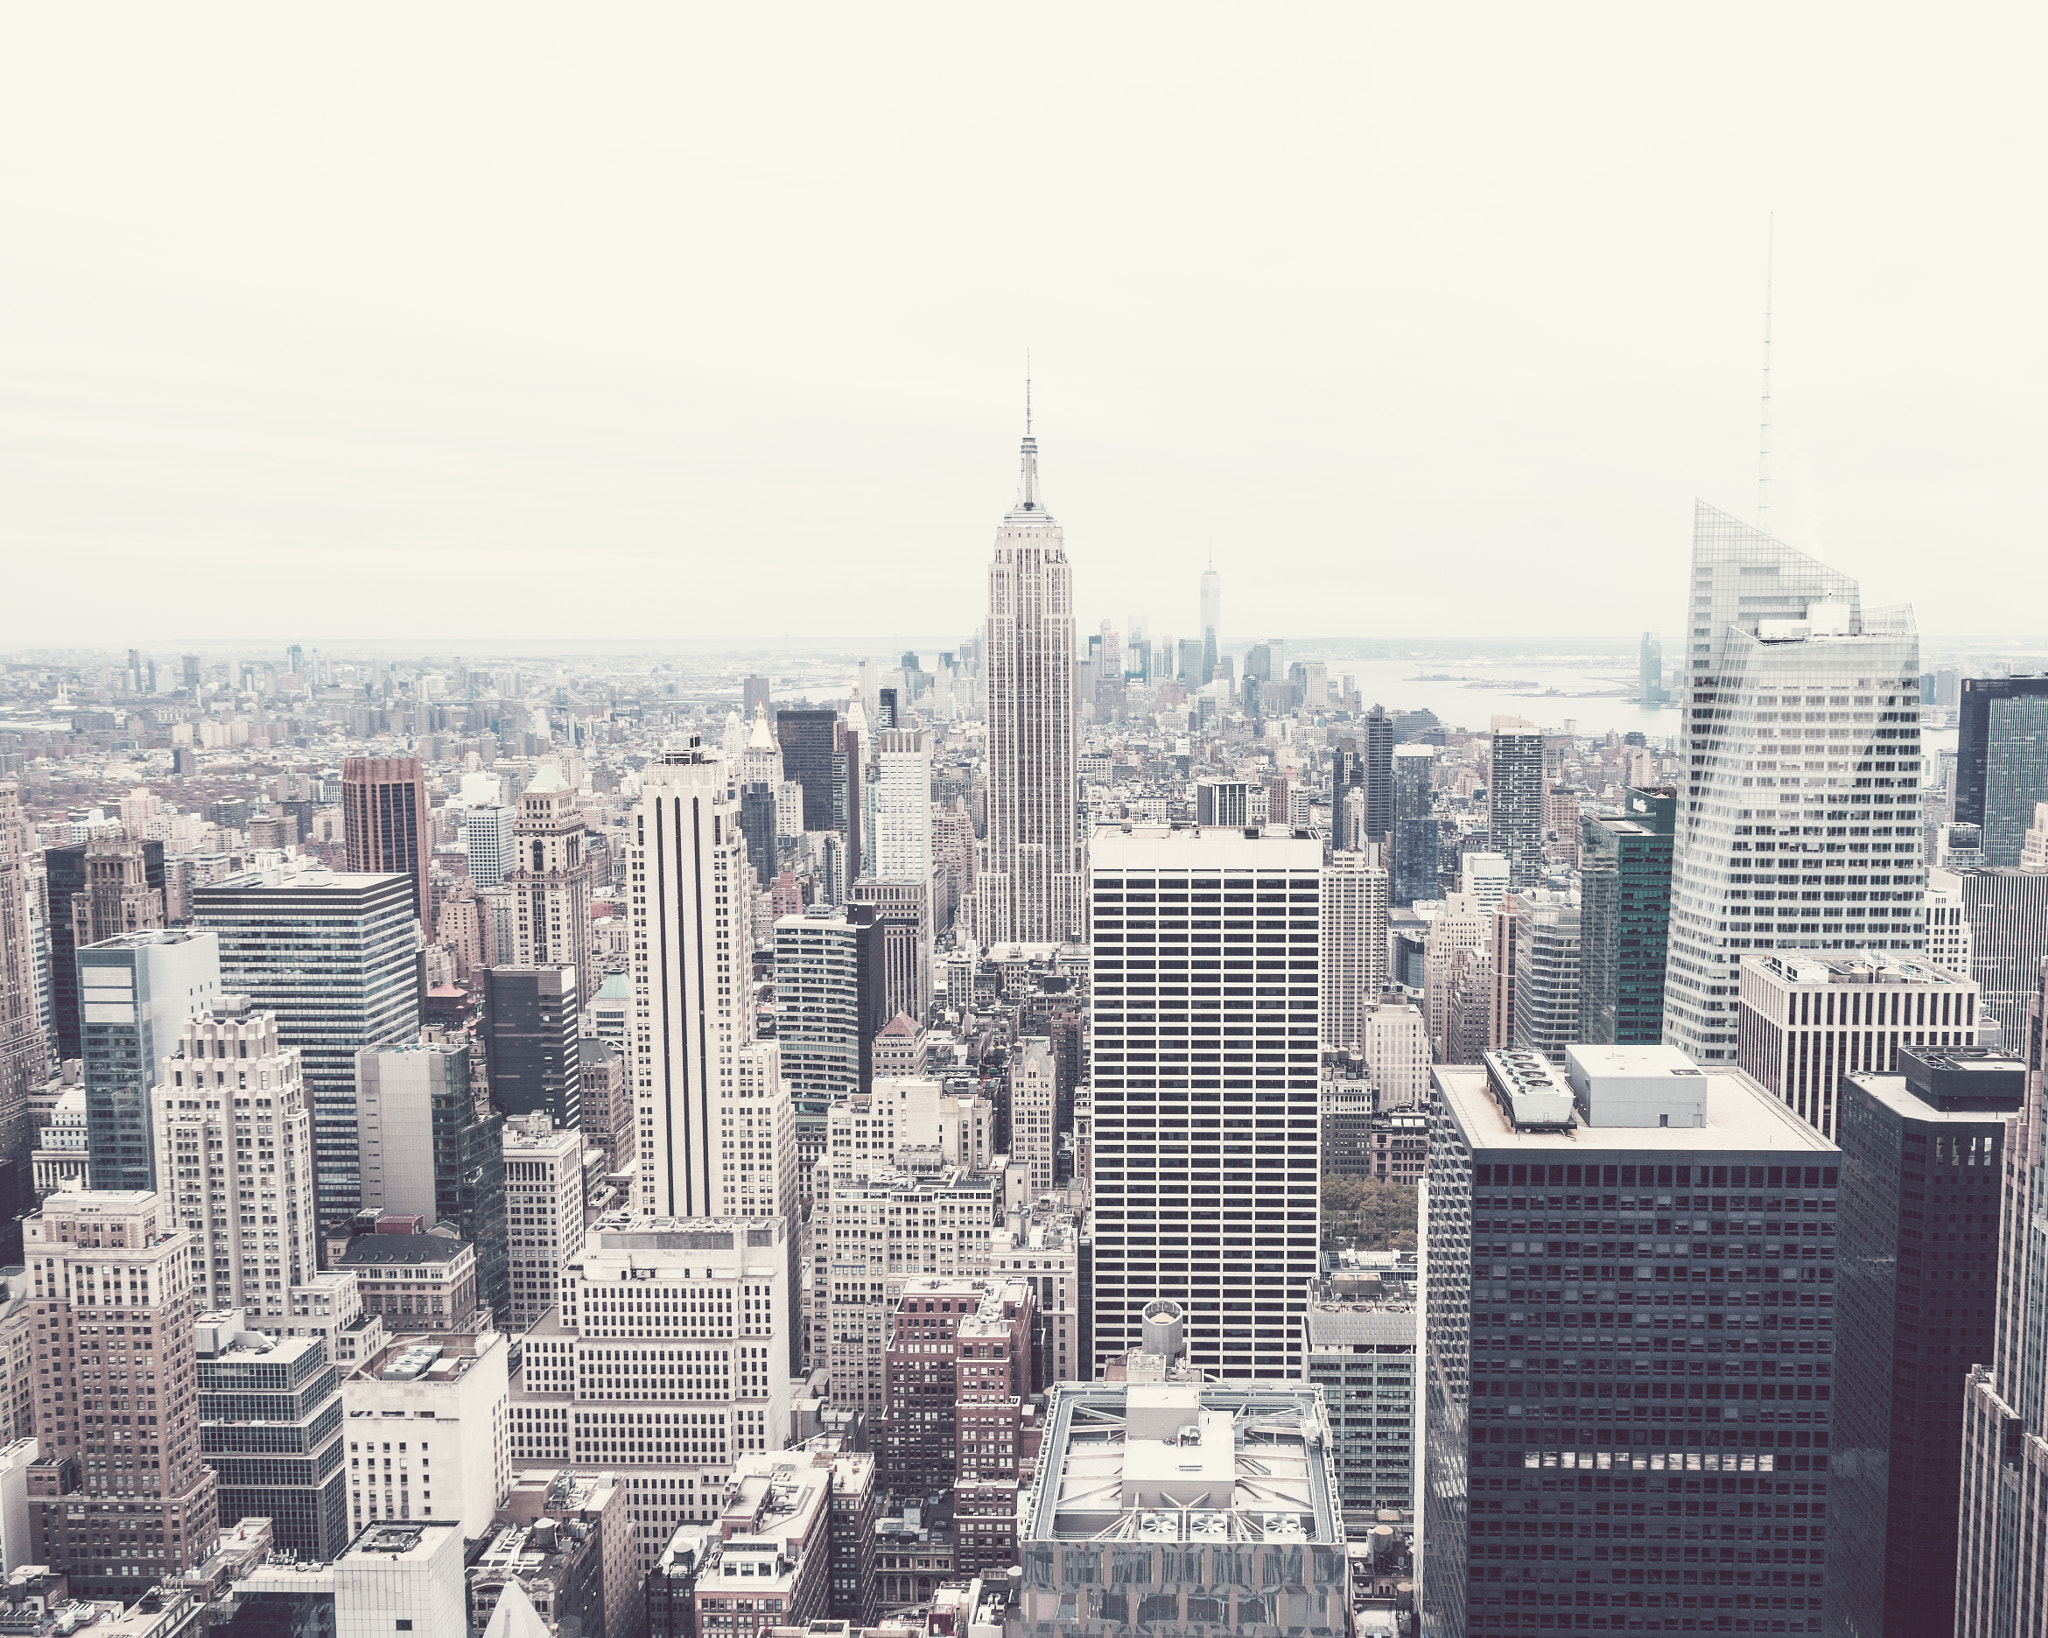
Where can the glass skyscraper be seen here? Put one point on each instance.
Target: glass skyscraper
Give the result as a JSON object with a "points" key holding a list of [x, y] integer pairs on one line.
{"points": [[2001, 760], [135, 993], [1417, 843], [1625, 921], [331, 953], [1799, 827]]}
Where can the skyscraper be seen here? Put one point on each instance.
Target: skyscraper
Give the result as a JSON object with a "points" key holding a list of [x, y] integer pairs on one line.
{"points": [[1206, 1110], [21, 1029], [387, 821], [228, 1086], [809, 741], [1520, 1349], [529, 1038], [686, 871], [1376, 755], [138, 991], [127, 1501], [331, 953], [1650, 670], [489, 844], [830, 1003], [2002, 1579], [1354, 935], [2001, 760], [1515, 792], [67, 877], [1915, 1312], [1417, 847], [1030, 889], [1799, 826], [1625, 920], [1212, 620], [550, 882]]}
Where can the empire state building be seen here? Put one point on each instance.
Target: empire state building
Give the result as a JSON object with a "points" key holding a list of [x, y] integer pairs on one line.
{"points": [[1030, 888]]}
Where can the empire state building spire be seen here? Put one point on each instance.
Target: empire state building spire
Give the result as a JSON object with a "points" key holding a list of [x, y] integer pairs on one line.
{"points": [[1030, 885]]}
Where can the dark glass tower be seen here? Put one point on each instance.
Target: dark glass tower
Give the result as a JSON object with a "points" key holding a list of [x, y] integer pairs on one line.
{"points": [[1923, 1156], [809, 741], [757, 824], [2002, 760], [1416, 839], [1376, 751], [530, 1035], [67, 879], [1625, 920]]}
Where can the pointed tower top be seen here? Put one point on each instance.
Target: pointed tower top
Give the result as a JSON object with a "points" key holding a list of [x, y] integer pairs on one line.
{"points": [[1029, 507]]}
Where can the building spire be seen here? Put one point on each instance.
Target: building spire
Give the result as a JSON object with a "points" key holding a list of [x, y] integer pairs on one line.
{"points": [[1763, 468], [1027, 488]]}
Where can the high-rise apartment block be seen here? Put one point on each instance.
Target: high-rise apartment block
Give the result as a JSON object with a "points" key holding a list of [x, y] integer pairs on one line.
{"points": [[1546, 1316], [136, 991], [1625, 920], [331, 955], [119, 1498], [234, 1153], [1799, 827], [1546, 972], [1206, 979], [668, 1361], [1031, 883], [1515, 790], [1354, 947], [388, 824], [550, 882], [1921, 1149], [903, 807], [2001, 760], [1807, 1022]]}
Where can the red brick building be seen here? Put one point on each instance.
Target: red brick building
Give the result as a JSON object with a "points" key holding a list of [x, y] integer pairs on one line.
{"points": [[957, 1371]]}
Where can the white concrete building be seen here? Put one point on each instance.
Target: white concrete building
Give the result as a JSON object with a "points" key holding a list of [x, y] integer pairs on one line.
{"points": [[1040, 1244], [488, 843], [543, 1213], [329, 1305], [428, 1430], [690, 893], [398, 1578], [669, 1357], [1206, 1069], [395, 1091], [1949, 938], [1354, 946], [1394, 1043], [234, 1145], [1034, 1108], [903, 807]]}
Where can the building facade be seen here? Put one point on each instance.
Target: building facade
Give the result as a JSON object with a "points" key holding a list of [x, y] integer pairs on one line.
{"points": [[1515, 789], [388, 824], [1625, 920], [2001, 760], [136, 991], [1207, 995], [1799, 824]]}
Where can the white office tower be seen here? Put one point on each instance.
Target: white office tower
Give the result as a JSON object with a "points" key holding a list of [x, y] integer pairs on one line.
{"points": [[426, 1421], [1458, 929], [405, 1577], [1029, 889], [668, 1359], [1206, 1124], [1484, 878], [488, 844], [1395, 1047], [1799, 828], [692, 949], [543, 1212], [1354, 946], [1034, 1107], [903, 810], [229, 1089], [1949, 940]]}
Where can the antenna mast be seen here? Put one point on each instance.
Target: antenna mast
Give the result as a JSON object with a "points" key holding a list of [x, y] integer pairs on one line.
{"points": [[1763, 473]]}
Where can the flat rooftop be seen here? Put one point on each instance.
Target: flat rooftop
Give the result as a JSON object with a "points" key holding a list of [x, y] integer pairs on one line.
{"points": [[1740, 1117], [1213, 847], [1854, 967], [1184, 1461]]}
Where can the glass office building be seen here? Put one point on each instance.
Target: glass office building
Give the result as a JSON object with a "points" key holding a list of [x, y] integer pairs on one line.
{"points": [[1625, 920]]}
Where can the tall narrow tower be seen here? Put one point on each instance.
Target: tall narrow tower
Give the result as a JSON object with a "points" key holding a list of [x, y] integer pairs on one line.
{"points": [[1212, 620], [1031, 889], [550, 882]]}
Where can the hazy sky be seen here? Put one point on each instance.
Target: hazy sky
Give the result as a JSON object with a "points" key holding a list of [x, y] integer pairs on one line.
{"points": [[692, 320]]}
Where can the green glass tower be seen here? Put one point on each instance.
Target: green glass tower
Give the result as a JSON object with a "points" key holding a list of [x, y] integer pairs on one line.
{"points": [[1625, 917]]}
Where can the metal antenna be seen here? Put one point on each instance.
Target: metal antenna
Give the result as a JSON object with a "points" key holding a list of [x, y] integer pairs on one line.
{"points": [[1027, 392], [1763, 476]]}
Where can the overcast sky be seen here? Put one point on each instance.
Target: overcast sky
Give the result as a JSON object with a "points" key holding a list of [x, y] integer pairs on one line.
{"points": [[700, 320]]}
